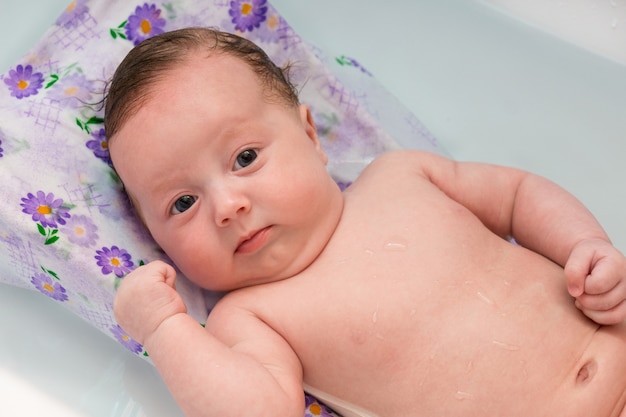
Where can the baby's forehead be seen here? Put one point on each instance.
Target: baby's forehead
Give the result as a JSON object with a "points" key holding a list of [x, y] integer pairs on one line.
{"points": [[213, 64]]}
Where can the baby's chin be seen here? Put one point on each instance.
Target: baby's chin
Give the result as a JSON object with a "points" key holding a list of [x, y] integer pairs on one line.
{"points": [[227, 284], [250, 282], [220, 284]]}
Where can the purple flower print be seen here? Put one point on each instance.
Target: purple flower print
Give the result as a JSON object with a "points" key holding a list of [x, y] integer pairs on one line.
{"points": [[45, 284], [100, 146], [127, 341], [114, 260], [314, 409], [23, 82], [73, 15], [81, 231], [247, 14], [72, 91], [272, 28], [145, 23], [45, 209]]}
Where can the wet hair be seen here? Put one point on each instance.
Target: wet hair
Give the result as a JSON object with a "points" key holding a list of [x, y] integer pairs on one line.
{"points": [[147, 63]]}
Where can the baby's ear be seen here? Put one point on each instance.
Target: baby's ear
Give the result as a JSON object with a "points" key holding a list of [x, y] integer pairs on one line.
{"points": [[306, 117]]}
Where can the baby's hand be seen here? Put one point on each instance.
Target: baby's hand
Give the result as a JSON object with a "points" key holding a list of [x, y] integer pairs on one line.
{"points": [[596, 276], [146, 298]]}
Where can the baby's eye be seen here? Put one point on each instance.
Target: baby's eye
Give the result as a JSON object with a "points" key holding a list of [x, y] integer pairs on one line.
{"points": [[245, 158], [183, 204]]}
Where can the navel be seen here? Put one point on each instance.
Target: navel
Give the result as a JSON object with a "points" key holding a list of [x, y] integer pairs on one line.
{"points": [[587, 372]]}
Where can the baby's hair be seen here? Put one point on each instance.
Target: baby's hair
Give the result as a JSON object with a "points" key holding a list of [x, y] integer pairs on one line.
{"points": [[147, 63]]}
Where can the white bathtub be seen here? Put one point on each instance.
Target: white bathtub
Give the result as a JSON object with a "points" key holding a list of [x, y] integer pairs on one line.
{"points": [[548, 96]]}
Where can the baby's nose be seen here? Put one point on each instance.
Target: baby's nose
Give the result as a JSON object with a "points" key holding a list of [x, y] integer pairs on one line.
{"points": [[229, 204]]}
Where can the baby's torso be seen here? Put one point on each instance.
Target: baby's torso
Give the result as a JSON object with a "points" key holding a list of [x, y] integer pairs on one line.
{"points": [[416, 309]]}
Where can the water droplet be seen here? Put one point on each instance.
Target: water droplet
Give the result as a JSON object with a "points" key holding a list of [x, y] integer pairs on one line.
{"points": [[462, 395], [506, 346], [484, 298], [396, 244]]}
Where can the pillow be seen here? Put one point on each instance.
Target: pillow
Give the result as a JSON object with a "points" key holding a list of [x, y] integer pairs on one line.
{"points": [[66, 229]]}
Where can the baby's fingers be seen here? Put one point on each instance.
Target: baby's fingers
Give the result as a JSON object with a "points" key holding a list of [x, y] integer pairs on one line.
{"points": [[576, 270], [600, 302], [614, 315], [604, 308], [166, 271], [606, 276]]}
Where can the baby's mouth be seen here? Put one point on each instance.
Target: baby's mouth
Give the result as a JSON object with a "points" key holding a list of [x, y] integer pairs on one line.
{"points": [[254, 241]]}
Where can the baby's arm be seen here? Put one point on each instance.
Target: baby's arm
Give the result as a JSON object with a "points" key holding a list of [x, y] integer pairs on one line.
{"points": [[210, 374], [545, 218]]}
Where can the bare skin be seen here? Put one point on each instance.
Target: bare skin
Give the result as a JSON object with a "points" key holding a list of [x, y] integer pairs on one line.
{"points": [[390, 299]]}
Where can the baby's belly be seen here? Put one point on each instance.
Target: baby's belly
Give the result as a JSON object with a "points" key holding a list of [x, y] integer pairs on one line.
{"points": [[504, 340], [593, 387], [596, 386]]}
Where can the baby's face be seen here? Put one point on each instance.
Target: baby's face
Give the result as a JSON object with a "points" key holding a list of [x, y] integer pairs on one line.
{"points": [[233, 188]]}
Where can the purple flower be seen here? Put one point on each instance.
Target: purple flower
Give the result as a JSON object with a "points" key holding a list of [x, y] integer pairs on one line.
{"points": [[100, 146], [45, 209], [146, 22], [314, 408], [247, 14], [127, 341], [23, 82], [1, 150], [72, 91], [272, 28], [114, 260], [73, 15], [45, 284], [80, 230]]}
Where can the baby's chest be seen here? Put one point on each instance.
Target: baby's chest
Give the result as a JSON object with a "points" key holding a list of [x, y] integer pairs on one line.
{"points": [[363, 306], [399, 287]]}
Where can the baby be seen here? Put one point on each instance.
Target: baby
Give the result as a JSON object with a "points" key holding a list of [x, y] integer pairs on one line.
{"points": [[382, 301]]}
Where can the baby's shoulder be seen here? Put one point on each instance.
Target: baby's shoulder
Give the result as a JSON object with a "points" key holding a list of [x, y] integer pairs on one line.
{"points": [[396, 166], [233, 309], [404, 160], [394, 156], [247, 301]]}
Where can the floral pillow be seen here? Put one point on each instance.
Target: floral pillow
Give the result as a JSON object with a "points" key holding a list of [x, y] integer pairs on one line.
{"points": [[66, 228]]}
